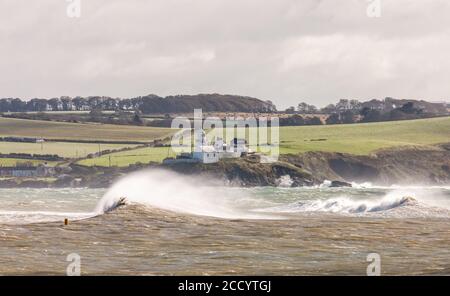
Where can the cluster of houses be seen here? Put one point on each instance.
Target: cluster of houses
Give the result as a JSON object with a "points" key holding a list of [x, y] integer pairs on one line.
{"points": [[22, 139], [205, 152], [42, 170]]}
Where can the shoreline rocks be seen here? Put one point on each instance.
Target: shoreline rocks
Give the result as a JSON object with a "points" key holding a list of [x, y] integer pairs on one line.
{"points": [[395, 166], [335, 184]]}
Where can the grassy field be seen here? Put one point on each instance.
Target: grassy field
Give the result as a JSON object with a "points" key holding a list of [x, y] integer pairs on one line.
{"points": [[364, 138], [78, 131], [358, 139], [9, 162], [63, 149], [354, 138], [125, 158]]}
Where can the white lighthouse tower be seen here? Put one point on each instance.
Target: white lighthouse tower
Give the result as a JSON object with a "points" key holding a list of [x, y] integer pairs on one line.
{"points": [[202, 150]]}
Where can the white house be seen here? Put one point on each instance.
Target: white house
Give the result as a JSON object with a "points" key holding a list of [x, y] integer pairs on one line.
{"points": [[238, 145], [202, 150], [235, 149], [219, 145], [205, 152], [207, 155]]}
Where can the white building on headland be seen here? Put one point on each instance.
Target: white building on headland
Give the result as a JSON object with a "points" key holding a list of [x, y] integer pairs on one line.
{"points": [[205, 152], [206, 155], [236, 148]]}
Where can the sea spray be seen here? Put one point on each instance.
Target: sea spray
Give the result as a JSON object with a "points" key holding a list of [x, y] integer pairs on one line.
{"points": [[347, 205], [285, 181], [200, 196], [399, 202], [26, 205], [178, 193]]}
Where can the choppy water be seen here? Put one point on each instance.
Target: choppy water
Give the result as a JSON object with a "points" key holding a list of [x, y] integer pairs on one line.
{"points": [[185, 226]]}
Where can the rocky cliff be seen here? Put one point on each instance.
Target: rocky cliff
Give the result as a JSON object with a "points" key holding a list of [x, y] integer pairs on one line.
{"points": [[402, 166]]}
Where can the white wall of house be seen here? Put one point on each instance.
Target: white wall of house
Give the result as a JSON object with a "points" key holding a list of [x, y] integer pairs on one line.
{"points": [[206, 157]]}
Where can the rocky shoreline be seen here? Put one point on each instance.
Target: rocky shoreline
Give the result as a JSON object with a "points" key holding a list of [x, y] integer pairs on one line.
{"points": [[415, 165]]}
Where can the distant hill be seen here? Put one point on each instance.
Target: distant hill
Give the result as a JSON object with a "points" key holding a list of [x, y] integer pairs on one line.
{"points": [[206, 102]]}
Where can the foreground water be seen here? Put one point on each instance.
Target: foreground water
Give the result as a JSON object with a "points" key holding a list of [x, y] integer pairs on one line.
{"points": [[173, 225]]}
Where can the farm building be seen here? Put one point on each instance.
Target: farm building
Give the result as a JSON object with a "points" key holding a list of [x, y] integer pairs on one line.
{"points": [[27, 171], [207, 155], [22, 139], [205, 152]]}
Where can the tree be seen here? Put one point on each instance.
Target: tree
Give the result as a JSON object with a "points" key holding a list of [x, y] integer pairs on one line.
{"points": [[329, 109], [365, 111], [290, 110], [304, 108], [370, 115], [409, 108], [36, 104], [5, 105], [343, 105], [270, 106], [313, 121], [355, 105], [347, 117], [95, 114], [55, 104], [333, 119], [342, 117], [397, 114], [137, 119], [296, 120], [18, 106]]}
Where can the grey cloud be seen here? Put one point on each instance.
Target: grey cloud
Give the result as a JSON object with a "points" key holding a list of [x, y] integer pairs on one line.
{"points": [[283, 50]]}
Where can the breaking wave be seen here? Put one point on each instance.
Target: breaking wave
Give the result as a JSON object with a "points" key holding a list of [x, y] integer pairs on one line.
{"points": [[347, 205], [169, 191], [194, 195], [285, 181], [401, 203], [178, 193]]}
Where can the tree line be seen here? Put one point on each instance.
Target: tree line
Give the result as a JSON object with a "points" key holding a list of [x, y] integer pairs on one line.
{"points": [[130, 111], [151, 104], [351, 111]]}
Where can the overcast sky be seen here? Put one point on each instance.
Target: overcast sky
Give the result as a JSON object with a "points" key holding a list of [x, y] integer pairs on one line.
{"points": [[288, 51]]}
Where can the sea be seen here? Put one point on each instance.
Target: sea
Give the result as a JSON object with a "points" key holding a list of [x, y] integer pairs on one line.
{"points": [[161, 223]]}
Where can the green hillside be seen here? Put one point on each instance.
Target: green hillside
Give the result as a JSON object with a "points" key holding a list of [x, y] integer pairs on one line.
{"points": [[364, 138], [352, 138]]}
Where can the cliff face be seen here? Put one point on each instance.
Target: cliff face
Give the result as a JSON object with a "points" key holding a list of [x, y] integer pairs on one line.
{"points": [[396, 166], [404, 166], [424, 166], [247, 172]]}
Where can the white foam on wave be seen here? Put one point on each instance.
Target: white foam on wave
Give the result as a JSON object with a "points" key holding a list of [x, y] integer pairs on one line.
{"points": [[347, 205], [370, 185], [413, 202], [328, 183], [177, 193], [420, 187], [199, 196], [194, 195], [285, 181]]}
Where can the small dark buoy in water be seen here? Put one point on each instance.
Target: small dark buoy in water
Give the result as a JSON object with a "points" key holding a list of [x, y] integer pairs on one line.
{"points": [[66, 221]]}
